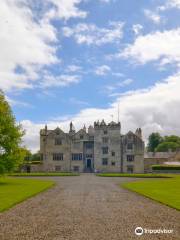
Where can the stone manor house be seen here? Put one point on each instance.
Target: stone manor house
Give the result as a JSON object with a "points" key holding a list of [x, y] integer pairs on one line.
{"points": [[101, 148]]}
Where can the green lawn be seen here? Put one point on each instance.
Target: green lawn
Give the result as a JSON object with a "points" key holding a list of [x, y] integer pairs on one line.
{"points": [[134, 175], [16, 190], [44, 174], [166, 191]]}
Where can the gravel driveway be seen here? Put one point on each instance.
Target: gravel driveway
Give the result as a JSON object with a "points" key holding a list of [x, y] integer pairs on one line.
{"points": [[87, 208]]}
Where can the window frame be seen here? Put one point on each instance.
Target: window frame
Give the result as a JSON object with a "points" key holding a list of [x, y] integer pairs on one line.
{"points": [[130, 158], [76, 156], [105, 150], [128, 145], [58, 141], [105, 161], [58, 156]]}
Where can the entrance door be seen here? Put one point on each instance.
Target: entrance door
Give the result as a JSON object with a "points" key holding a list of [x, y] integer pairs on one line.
{"points": [[89, 163]]}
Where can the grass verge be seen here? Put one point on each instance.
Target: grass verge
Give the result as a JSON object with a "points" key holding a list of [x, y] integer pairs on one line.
{"points": [[43, 174], [13, 190], [166, 191], [134, 175]]}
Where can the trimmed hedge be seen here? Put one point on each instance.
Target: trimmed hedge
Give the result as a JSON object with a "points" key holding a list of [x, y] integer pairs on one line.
{"points": [[32, 162], [166, 167]]}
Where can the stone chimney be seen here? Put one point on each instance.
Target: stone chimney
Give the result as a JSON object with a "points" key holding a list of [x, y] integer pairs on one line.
{"points": [[139, 132]]}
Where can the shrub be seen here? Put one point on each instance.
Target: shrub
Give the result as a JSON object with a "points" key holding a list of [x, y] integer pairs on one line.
{"points": [[166, 167]]}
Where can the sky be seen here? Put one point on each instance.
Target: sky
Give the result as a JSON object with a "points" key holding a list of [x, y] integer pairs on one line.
{"points": [[81, 60]]}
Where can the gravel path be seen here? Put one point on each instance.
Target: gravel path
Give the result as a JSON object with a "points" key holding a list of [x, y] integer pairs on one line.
{"points": [[87, 208]]}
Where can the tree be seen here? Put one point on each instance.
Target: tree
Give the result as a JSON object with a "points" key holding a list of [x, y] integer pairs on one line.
{"points": [[153, 141], [10, 138], [166, 146], [172, 138], [35, 156]]}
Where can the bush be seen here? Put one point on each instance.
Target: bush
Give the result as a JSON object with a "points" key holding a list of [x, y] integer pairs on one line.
{"points": [[166, 167]]}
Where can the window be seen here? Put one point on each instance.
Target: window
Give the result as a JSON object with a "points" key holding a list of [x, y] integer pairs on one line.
{"points": [[113, 163], [81, 136], [105, 161], [130, 158], [58, 141], [58, 156], [89, 155], [89, 145], [105, 140], [130, 169], [105, 132], [57, 168], [76, 156], [76, 168], [113, 153], [130, 146], [105, 150]]}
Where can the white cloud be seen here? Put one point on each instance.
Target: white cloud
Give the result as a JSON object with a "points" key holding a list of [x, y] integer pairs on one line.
{"points": [[65, 9], [137, 28], [24, 44], [102, 70], [109, 89], [59, 81], [169, 4], [125, 82], [73, 68], [146, 108], [155, 17], [163, 46], [28, 39], [106, 1], [90, 34]]}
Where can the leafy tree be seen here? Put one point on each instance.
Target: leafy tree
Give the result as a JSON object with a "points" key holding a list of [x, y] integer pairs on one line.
{"points": [[172, 138], [35, 157], [153, 141], [166, 146], [10, 138]]}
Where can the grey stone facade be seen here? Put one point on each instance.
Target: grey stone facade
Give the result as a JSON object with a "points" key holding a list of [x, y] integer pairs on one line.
{"points": [[101, 148]]}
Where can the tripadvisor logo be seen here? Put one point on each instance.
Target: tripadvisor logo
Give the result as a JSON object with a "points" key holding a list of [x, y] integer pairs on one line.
{"points": [[139, 231]]}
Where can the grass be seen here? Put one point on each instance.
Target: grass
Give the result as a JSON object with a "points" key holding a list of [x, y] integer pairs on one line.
{"points": [[134, 175], [44, 174], [166, 191], [16, 190]]}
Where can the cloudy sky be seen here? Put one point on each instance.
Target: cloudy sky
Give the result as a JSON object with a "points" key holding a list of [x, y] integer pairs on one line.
{"points": [[63, 60]]}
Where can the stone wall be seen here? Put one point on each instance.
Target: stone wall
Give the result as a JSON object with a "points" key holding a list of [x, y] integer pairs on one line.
{"points": [[108, 154]]}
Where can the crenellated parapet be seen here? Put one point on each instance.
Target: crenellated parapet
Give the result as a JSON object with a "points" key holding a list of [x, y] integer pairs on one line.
{"points": [[102, 125]]}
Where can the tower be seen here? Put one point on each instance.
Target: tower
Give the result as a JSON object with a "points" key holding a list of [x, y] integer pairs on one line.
{"points": [[72, 129]]}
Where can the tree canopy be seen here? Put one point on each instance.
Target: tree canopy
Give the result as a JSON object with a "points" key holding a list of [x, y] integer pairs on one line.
{"points": [[163, 144], [153, 141], [10, 138]]}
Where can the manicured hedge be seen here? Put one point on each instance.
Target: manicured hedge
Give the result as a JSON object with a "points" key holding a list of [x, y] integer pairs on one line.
{"points": [[33, 162], [166, 167]]}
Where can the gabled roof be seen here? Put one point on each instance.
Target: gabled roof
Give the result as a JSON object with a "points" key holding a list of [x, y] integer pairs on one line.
{"points": [[57, 131], [129, 133], [81, 131]]}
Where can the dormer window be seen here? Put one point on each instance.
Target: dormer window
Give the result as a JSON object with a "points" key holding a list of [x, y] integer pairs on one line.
{"points": [[81, 136]]}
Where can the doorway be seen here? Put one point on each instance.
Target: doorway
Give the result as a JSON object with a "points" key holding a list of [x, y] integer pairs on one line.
{"points": [[89, 163]]}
